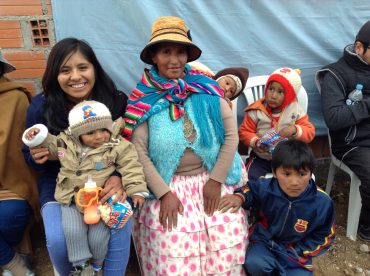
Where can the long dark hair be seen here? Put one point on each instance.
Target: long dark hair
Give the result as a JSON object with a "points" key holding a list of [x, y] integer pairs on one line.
{"points": [[56, 103]]}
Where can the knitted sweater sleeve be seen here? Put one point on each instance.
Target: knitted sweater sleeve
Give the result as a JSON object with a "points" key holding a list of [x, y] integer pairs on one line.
{"points": [[228, 149], [155, 182]]}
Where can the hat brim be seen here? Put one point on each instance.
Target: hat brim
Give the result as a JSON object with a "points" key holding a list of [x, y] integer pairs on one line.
{"points": [[8, 67], [241, 72], [193, 51]]}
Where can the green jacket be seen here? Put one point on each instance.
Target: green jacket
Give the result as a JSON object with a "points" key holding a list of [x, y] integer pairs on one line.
{"points": [[118, 155]]}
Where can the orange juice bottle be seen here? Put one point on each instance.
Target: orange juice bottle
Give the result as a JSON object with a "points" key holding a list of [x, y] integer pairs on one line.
{"points": [[87, 198]]}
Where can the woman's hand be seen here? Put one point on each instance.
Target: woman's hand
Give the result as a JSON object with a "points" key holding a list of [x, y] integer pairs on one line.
{"points": [[138, 200], [211, 196], [113, 188], [39, 155], [170, 206], [232, 202]]}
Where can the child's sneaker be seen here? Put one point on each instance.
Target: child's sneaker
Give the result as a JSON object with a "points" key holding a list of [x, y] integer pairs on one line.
{"points": [[92, 270], [97, 270], [30, 273], [364, 233], [7, 272], [78, 269]]}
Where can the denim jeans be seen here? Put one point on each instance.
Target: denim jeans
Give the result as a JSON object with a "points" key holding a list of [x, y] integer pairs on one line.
{"points": [[118, 248], [14, 218]]}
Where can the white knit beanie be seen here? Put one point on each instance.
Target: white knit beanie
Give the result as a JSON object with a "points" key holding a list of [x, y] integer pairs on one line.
{"points": [[89, 116], [289, 78]]}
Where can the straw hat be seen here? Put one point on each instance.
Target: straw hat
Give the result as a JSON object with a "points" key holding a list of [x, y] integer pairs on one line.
{"points": [[7, 66], [170, 29]]}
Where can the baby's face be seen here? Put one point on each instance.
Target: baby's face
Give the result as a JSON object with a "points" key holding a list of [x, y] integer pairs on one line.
{"points": [[228, 85], [293, 182], [275, 95], [95, 138]]}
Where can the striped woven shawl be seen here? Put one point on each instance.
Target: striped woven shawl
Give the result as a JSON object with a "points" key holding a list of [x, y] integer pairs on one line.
{"points": [[152, 88]]}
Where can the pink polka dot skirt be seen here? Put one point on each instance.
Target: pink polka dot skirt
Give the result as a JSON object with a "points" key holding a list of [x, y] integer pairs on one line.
{"points": [[200, 245]]}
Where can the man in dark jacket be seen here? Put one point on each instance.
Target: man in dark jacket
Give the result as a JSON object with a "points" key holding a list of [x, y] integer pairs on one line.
{"points": [[349, 125]]}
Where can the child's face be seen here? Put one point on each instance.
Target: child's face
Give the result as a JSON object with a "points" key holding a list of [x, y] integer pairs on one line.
{"points": [[275, 95], [228, 85], [291, 181], [95, 138]]}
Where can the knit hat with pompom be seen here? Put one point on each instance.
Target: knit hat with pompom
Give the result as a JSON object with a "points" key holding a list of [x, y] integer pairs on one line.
{"points": [[89, 116], [290, 80]]}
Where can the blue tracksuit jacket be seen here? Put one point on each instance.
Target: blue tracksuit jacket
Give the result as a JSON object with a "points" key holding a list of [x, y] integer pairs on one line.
{"points": [[296, 228]]}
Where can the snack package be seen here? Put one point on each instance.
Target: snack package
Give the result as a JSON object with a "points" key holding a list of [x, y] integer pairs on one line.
{"points": [[115, 215], [271, 139]]}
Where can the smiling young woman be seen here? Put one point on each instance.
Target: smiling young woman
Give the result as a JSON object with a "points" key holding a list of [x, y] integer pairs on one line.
{"points": [[76, 77], [73, 73]]}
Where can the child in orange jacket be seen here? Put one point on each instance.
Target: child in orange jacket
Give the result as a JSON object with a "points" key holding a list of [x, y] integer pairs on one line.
{"points": [[277, 112]]}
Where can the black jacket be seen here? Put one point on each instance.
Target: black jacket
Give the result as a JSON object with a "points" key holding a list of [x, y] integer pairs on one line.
{"points": [[349, 126]]}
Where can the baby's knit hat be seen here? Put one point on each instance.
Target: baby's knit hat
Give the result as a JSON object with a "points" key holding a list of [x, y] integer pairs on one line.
{"points": [[238, 74], [364, 33], [89, 116]]}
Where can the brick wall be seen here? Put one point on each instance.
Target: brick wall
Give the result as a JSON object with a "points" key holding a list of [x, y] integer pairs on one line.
{"points": [[26, 37]]}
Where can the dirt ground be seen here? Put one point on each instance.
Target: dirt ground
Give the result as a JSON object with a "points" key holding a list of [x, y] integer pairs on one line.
{"points": [[344, 257]]}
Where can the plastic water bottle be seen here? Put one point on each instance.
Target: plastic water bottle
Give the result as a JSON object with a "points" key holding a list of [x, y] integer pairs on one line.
{"points": [[355, 96], [87, 198]]}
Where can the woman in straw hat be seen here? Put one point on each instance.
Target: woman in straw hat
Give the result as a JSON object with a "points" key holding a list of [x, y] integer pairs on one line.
{"points": [[18, 190], [186, 139]]}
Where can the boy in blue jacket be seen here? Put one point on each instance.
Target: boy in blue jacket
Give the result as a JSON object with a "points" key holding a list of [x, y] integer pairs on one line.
{"points": [[295, 217]]}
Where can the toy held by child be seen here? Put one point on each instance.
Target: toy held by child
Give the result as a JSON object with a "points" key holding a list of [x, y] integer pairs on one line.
{"points": [[270, 139], [92, 146], [278, 110], [296, 218]]}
